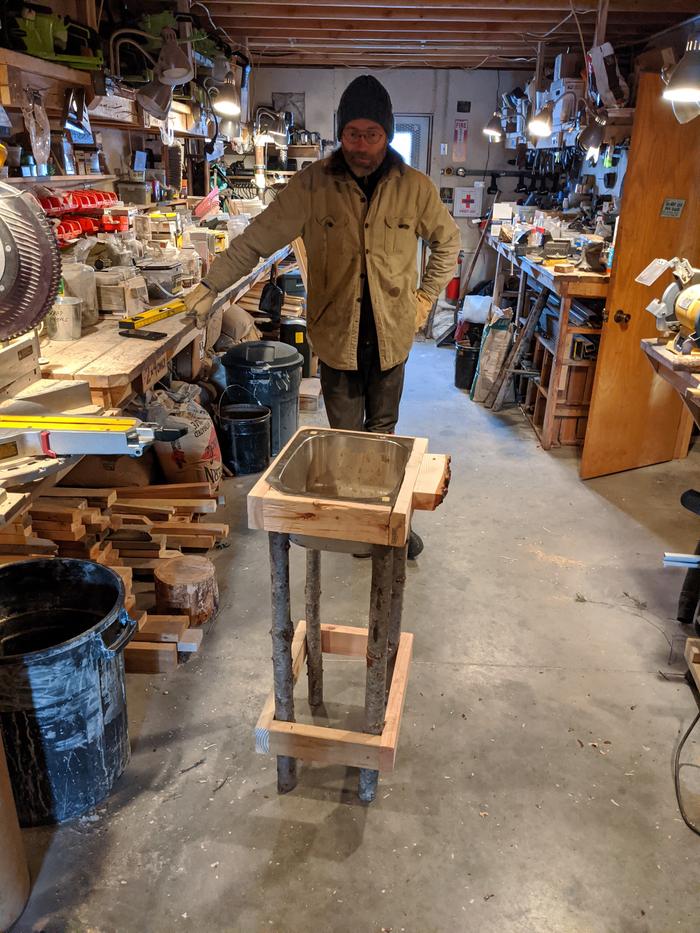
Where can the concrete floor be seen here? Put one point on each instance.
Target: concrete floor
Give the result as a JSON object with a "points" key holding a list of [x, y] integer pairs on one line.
{"points": [[533, 788]]}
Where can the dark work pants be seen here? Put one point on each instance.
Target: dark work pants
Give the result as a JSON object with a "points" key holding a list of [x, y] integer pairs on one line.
{"points": [[365, 399]]}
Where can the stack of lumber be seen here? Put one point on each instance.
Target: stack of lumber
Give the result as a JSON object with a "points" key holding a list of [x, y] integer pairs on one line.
{"points": [[19, 541], [292, 307], [134, 531], [158, 642]]}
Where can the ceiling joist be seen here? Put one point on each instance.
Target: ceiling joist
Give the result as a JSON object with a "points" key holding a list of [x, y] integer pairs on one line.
{"points": [[446, 33]]}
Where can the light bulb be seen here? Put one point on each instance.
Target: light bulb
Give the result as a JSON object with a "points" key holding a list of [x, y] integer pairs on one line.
{"points": [[227, 102], [684, 82], [541, 123], [493, 128]]}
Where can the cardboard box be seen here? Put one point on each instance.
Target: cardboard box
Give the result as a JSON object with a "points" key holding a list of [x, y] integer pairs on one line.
{"points": [[126, 298], [568, 65], [18, 357]]}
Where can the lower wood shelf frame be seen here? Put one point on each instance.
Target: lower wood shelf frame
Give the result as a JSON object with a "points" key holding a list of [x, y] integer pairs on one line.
{"points": [[692, 657], [338, 746]]}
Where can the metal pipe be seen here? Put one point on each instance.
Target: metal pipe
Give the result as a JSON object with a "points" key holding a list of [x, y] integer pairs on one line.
{"points": [[121, 34]]}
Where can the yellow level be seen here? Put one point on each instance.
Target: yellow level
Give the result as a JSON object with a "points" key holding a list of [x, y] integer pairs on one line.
{"points": [[153, 314], [67, 423]]}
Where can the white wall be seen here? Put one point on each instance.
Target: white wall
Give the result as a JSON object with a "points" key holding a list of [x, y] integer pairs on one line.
{"points": [[412, 91]]}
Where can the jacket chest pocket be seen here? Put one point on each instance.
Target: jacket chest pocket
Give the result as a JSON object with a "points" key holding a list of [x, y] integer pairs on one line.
{"points": [[330, 233], [399, 234]]}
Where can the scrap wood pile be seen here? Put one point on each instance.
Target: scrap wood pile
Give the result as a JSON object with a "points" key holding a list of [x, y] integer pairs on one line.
{"points": [[147, 535], [291, 307]]}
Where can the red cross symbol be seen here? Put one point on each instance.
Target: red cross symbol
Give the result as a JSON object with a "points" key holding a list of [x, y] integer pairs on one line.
{"points": [[468, 201]]}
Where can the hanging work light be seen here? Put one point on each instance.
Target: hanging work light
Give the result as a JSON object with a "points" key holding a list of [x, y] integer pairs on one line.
{"points": [[591, 137], [684, 82], [174, 67], [227, 100], [541, 123], [493, 128], [271, 127], [156, 98]]}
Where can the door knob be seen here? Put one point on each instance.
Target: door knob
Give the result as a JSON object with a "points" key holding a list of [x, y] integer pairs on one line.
{"points": [[621, 317]]}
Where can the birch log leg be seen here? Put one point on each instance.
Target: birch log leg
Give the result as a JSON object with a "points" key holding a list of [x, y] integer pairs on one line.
{"points": [[314, 657], [377, 640], [282, 633], [398, 584]]}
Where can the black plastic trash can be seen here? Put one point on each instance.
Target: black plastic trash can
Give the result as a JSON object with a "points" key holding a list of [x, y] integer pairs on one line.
{"points": [[267, 372], [466, 359], [293, 332], [63, 630]]}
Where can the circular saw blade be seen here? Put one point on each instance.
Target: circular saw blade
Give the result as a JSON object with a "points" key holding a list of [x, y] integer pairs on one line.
{"points": [[30, 268]]}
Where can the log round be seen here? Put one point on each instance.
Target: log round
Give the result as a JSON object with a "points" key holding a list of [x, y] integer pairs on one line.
{"points": [[187, 586]]}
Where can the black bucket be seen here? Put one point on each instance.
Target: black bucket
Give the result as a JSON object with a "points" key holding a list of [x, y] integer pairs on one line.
{"points": [[244, 437], [267, 372], [63, 630], [466, 359]]}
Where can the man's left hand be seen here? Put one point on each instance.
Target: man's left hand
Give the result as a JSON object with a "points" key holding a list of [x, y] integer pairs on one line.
{"points": [[424, 304]]}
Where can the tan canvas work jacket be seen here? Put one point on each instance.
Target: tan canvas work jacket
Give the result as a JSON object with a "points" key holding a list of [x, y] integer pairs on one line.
{"points": [[345, 241]]}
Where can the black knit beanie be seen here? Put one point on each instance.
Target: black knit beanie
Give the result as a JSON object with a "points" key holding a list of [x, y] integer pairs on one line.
{"points": [[366, 99]]}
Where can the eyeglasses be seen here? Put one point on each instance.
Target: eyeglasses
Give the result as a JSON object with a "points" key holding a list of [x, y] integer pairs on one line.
{"points": [[370, 136]]}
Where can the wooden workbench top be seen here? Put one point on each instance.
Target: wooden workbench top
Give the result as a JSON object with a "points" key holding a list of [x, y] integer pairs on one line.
{"points": [[109, 362], [104, 359], [571, 284], [680, 371], [676, 362]]}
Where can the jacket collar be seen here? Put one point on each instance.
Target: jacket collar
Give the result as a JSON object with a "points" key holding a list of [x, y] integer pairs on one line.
{"points": [[335, 164]]}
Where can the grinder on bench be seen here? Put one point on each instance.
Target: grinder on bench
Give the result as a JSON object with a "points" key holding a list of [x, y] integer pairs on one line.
{"points": [[678, 309]]}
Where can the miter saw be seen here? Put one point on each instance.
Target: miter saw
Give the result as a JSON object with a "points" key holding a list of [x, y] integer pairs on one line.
{"points": [[30, 264], [30, 271], [678, 309]]}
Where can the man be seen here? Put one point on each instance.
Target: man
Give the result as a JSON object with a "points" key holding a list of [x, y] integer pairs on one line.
{"points": [[360, 213]]}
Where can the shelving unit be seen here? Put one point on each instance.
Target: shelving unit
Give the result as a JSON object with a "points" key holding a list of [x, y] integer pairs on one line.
{"points": [[59, 181], [558, 417], [572, 398], [100, 124]]}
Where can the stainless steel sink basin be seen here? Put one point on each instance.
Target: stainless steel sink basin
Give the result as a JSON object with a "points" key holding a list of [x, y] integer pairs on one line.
{"points": [[338, 465]]}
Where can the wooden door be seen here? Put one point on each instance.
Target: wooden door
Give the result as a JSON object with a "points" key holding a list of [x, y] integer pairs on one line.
{"points": [[635, 417]]}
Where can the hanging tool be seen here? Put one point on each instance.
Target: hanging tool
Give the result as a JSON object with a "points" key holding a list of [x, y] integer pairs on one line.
{"points": [[63, 435], [159, 313]]}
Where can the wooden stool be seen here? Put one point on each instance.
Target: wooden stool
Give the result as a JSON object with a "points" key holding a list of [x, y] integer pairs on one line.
{"points": [[384, 526]]}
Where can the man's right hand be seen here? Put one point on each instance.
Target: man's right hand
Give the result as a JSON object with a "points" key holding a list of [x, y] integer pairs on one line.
{"points": [[199, 303]]}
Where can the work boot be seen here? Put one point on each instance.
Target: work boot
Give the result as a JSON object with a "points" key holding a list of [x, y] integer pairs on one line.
{"points": [[415, 545]]}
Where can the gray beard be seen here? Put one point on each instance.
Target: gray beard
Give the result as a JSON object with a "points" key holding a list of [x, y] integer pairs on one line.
{"points": [[363, 170]]}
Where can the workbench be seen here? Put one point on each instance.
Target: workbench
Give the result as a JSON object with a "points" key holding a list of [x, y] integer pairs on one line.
{"points": [[681, 372], [117, 368], [558, 418], [107, 370]]}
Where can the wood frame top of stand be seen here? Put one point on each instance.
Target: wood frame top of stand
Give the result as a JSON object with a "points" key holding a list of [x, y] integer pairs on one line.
{"points": [[424, 486]]}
